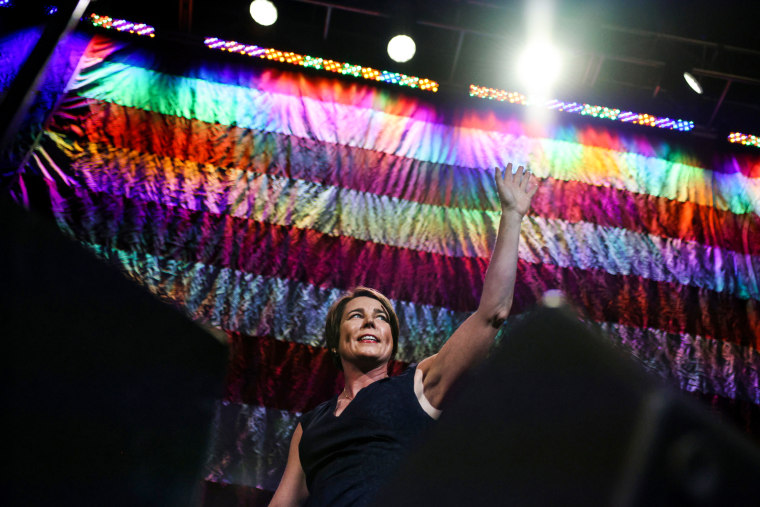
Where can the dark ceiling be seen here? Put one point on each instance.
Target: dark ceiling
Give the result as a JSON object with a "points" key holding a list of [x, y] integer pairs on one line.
{"points": [[623, 54]]}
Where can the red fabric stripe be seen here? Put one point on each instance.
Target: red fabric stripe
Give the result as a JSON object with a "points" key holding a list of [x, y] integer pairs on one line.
{"points": [[261, 366], [410, 275], [574, 202], [370, 171]]}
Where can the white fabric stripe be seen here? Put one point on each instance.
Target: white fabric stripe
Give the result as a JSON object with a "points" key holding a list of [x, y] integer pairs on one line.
{"points": [[249, 445], [284, 309], [695, 363]]}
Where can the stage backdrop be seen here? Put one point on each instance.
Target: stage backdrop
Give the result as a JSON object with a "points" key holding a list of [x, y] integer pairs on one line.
{"points": [[253, 195]]}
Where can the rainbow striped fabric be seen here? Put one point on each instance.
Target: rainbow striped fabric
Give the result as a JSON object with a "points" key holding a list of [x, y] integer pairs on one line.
{"points": [[253, 196]]}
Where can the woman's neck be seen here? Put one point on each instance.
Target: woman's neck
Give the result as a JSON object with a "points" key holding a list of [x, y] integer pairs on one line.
{"points": [[356, 379]]}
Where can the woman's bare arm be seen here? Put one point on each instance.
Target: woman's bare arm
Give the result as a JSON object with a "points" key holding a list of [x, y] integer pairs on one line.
{"points": [[292, 490], [472, 340]]}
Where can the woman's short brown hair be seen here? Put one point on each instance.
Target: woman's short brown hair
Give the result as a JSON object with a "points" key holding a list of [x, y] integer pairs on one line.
{"points": [[335, 315]]}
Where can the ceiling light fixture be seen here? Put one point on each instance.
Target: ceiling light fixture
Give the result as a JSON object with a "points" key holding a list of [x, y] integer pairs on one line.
{"points": [[693, 82], [263, 12], [401, 48], [539, 63], [538, 67]]}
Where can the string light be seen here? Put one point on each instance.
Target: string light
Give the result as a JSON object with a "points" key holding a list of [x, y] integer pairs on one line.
{"points": [[606, 113], [500, 95], [121, 25], [745, 139], [385, 76], [346, 69]]}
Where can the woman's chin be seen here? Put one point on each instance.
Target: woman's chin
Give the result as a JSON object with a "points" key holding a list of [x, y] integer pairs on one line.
{"points": [[367, 362]]}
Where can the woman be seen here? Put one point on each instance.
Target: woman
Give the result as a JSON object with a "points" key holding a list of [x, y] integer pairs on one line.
{"points": [[343, 450]]}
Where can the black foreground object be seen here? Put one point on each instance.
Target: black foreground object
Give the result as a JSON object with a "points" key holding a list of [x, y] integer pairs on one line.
{"points": [[109, 393], [560, 417]]}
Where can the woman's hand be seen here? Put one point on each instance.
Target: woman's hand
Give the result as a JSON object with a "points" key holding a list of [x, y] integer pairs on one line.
{"points": [[515, 190]]}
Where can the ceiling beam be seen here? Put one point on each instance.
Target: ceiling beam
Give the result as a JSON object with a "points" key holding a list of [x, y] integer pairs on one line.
{"points": [[726, 77]]}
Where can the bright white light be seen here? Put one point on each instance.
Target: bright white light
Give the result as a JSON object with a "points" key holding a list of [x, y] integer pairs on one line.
{"points": [[693, 83], [263, 12], [538, 67], [401, 48]]}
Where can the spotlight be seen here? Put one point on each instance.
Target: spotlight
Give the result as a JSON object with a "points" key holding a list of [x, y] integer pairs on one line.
{"points": [[401, 48], [693, 82], [263, 12], [538, 67]]}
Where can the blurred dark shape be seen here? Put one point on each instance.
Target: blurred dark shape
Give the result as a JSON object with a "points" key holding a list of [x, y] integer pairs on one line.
{"points": [[559, 416], [109, 393]]}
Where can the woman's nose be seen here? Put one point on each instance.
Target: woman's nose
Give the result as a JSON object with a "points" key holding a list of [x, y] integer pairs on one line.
{"points": [[369, 321]]}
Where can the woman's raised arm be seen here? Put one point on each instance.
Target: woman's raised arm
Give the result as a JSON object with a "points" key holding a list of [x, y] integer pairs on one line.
{"points": [[471, 341]]}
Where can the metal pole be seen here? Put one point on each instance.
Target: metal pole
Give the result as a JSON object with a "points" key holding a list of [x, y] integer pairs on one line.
{"points": [[327, 22], [455, 60], [720, 103], [19, 96]]}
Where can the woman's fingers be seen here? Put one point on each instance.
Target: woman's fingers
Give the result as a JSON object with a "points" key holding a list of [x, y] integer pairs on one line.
{"points": [[522, 178], [532, 185], [526, 179]]}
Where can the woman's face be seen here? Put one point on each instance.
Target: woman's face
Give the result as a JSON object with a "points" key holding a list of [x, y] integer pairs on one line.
{"points": [[365, 333]]}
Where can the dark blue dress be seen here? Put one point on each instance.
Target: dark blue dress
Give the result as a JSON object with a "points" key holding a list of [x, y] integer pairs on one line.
{"points": [[347, 459]]}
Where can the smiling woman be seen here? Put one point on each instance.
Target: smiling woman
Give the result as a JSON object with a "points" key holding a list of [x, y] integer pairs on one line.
{"points": [[365, 340], [362, 315], [344, 450]]}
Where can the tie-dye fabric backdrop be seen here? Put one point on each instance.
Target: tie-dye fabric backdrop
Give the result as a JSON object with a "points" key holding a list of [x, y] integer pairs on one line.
{"points": [[252, 196]]}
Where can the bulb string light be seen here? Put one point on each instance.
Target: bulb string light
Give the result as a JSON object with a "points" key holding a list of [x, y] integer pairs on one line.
{"points": [[346, 69], [745, 139], [607, 113], [122, 25], [396, 78]]}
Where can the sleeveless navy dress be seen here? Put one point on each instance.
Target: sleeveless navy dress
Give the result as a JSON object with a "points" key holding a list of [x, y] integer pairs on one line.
{"points": [[347, 459]]}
